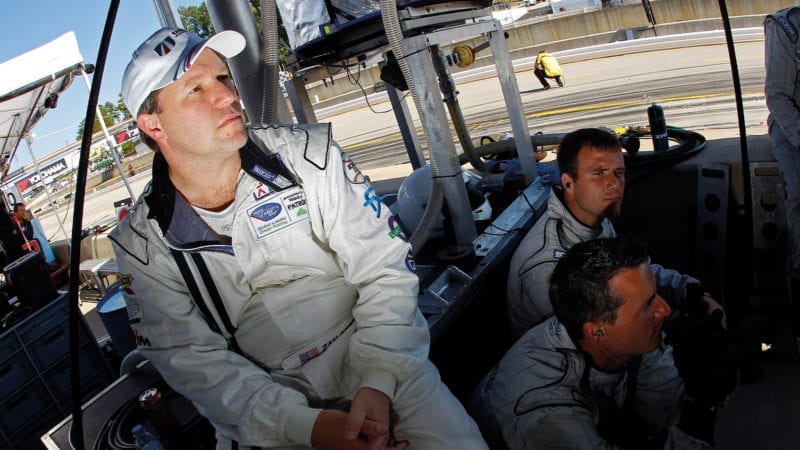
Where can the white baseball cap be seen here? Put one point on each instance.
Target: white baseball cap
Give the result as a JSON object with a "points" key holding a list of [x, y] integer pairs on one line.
{"points": [[166, 56]]}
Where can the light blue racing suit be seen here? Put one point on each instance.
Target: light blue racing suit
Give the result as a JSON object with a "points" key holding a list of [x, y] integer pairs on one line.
{"points": [[536, 256], [545, 394], [782, 89]]}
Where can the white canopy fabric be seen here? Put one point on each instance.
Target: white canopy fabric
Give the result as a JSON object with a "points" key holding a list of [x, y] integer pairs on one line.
{"points": [[30, 85]]}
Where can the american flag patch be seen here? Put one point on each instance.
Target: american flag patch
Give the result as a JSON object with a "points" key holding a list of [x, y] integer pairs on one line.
{"points": [[309, 355]]}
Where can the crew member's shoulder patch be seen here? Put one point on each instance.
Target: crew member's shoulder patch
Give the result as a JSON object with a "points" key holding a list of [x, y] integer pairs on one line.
{"points": [[133, 305], [558, 253], [351, 172]]}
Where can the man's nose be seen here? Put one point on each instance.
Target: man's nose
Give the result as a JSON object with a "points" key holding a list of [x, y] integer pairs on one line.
{"points": [[223, 94], [661, 307], [613, 181]]}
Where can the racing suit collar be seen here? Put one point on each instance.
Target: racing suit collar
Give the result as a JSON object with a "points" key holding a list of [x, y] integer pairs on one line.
{"points": [[164, 202], [161, 201]]}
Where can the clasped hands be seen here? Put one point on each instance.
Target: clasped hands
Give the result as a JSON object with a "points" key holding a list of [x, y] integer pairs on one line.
{"points": [[368, 425]]}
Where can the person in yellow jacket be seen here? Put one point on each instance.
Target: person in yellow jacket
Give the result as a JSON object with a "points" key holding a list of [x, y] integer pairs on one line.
{"points": [[546, 66]]}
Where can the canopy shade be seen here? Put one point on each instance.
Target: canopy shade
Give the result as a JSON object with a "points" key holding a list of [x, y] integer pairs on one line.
{"points": [[30, 85]]}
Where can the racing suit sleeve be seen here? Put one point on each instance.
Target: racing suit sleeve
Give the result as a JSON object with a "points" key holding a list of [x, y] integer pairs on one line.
{"points": [[781, 80], [533, 305], [570, 422], [671, 285], [240, 398], [391, 340]]}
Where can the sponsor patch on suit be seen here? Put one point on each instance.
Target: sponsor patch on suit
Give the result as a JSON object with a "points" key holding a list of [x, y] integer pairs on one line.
{"points": [[277, 212]]}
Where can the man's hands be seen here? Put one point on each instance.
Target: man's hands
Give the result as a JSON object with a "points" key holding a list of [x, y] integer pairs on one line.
{"points": [[704, 352], [366, 427]]}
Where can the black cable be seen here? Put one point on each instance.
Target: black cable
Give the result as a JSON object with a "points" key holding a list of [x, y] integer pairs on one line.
{"points": [[642, 165], [737, 89], [116, 431], [76, 430]]}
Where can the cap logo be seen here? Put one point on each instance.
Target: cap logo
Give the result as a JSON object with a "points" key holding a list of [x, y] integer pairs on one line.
{"points": [[165, 46]]}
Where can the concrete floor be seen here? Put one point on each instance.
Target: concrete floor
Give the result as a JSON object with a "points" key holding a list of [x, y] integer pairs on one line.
{"points": [[764, 414]]}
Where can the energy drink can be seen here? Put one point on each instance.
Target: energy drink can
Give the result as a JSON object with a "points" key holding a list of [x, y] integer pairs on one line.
{"points": [[156, 409]]}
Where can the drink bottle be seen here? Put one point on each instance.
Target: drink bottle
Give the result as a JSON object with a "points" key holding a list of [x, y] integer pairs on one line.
{"points": [[144, 440], [658, 127]]}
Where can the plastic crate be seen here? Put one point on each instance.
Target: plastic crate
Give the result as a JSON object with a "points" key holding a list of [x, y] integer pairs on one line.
{"points": [[21, 408], [89, 362], [100, 380], [9, 344], [53, 345], [45, 319], [15, 371], [29, 437]]}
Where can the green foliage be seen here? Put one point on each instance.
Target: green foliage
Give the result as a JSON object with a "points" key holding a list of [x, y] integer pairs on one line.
{"points": [[197, 20], [109, 112], [112, 113], [122, 109], [128, 148]]}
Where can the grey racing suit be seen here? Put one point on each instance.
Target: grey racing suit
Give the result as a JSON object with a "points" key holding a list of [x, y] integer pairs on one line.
{"points": [[782, 89], [536, 256], [545, 394], [311, 297]]}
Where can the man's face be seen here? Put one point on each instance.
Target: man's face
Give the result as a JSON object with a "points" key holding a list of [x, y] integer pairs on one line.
{"points": [[19, 212], [200, 115], [597, 191], [640, 317]]}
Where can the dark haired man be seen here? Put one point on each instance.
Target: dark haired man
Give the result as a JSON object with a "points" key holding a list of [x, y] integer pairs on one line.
{"points": [[596, 375], [593, 185]]}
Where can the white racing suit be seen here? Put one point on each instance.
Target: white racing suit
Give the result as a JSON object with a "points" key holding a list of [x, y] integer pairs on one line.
{"points": [[312, 297], [545, 394], [536, 257], [782, 89]]}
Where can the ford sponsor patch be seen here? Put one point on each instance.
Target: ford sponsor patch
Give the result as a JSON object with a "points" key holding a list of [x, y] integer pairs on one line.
{"points": [[266, 212], [279, 211]]}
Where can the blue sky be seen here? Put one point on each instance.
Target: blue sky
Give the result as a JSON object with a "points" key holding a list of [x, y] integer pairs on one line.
{"points": [[27, 24]]}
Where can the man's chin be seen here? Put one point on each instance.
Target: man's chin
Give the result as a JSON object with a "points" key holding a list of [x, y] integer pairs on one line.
{"points": [[613, 211]]}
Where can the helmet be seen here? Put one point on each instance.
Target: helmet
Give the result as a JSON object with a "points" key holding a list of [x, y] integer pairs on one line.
{"points": [[415, 191]]}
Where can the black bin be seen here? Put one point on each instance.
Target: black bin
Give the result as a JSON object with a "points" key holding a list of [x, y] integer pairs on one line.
{"points": [[30, 280]]}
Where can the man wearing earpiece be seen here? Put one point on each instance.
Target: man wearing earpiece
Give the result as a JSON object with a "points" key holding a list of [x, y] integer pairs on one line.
{"points": [[593, 179], [597, 375]]}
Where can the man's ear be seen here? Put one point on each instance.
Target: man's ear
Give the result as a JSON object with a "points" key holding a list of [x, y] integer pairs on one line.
{"points": [[566, 180], [150, 124], [594, 330]]}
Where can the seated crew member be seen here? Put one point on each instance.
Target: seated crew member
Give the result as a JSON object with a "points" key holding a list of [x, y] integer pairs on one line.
{"points": [[597, 375], [24, 229], [267, 286], [593, 185]]}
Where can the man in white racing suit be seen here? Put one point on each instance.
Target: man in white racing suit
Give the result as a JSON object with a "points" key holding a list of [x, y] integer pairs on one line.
{"points": [[593, 179], [782, 89], [596, 375], [270, 285]]}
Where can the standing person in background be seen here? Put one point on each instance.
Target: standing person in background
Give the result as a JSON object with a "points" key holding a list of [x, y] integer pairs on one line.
{"points": [[24, 229], [546, 66], [782, 59], [267, 285], [22, 221]]}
